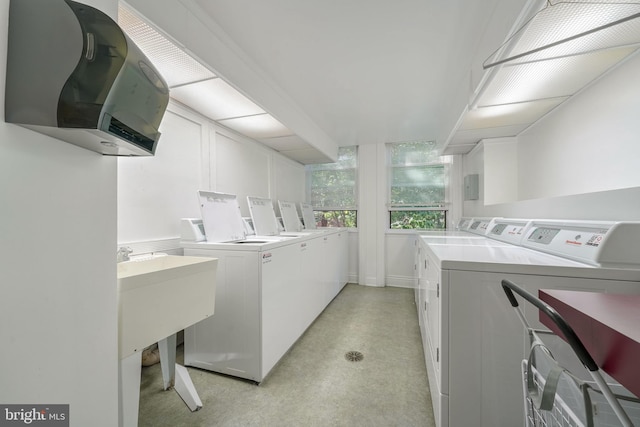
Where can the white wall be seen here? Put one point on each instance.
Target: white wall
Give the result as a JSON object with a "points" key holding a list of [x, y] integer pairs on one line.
{"points": [[58, 322], [581, 161], [195, 154], [155, 192], [590, 144], [385, 257], [372, 185]]}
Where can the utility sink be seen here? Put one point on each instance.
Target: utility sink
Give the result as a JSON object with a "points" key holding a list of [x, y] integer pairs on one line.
{"points": [[160, 296]]}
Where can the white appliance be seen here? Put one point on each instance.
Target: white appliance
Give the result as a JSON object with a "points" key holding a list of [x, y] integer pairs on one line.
{"points": [[269, 290], [473, 344]]}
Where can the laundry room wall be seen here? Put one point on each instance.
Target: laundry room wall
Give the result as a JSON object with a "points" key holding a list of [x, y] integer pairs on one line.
{"points": [[58, 311], [195, 154], [580, 161]]}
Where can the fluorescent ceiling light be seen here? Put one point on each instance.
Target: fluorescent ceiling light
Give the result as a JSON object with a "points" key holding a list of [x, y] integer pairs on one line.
{"points": [[509, 114], [552, 78], [258, 127], [194, 85], [215, 99], [571, 27]]}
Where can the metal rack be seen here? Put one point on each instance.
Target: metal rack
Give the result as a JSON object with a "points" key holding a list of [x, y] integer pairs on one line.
{"points": [[553, 396]]}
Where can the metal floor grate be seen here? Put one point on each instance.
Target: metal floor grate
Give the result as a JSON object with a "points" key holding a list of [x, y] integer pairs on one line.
{"points": [[354, 356]]}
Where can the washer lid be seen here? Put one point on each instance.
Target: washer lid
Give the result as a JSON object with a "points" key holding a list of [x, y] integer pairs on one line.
{"points": [[263, 216], [221, 217], [307, 216], [289, 215]]}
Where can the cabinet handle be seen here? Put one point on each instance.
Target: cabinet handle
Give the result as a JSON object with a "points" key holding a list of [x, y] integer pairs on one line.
{"points": [[437, 354], [437, 290]]}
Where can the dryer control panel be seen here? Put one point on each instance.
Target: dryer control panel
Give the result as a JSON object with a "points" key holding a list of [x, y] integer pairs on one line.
{"points": [[600, 243], [481, 226], [509, 230]]}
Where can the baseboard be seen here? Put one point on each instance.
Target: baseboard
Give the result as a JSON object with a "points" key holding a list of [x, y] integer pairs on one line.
{"points": [[400, 282]]}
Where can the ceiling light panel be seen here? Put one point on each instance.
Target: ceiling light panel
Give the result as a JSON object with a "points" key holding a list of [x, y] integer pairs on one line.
{"points": [[175, 65], [257, 127], [549, 79], [216, 100], [573, 27], [509, 114]]}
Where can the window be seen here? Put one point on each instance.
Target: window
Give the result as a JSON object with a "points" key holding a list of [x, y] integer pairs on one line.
{"points": [[418, 186], [332, 190]]}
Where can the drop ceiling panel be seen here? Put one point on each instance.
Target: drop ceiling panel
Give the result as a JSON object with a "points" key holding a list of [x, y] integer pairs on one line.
{"points": [[307, 156], [458, 149], [285, 143], [174, 64], [473, 136]]}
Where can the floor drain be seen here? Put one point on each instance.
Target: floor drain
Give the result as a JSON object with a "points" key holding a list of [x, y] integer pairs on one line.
{"points": [[354, 356]]}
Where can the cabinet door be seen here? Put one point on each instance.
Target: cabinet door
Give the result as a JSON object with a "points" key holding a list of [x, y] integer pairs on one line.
{"points": [[432, 316]]}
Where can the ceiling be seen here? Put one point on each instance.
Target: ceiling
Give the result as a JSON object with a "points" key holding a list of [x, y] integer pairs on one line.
{"points": [[363, 72]]}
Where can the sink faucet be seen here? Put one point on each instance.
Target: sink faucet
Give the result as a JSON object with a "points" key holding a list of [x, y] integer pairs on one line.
{"points": [[123, 253]]}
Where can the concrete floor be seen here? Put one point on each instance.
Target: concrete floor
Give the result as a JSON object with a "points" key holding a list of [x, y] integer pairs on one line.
{"points": [[314, 384]]}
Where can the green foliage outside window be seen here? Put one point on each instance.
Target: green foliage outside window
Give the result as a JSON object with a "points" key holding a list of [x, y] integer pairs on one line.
{"points": [[417, 186], [346, 218], [332, 190], [404, 220]]}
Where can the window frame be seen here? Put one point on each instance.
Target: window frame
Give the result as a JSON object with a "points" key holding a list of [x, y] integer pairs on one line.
{"points": [[444, 205], [310, 169]]}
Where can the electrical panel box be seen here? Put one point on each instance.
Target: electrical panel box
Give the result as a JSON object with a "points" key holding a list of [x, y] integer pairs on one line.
{"points": [[471, 187]]}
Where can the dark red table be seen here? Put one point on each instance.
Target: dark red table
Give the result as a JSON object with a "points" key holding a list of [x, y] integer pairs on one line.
{"points": [[607, 324]]}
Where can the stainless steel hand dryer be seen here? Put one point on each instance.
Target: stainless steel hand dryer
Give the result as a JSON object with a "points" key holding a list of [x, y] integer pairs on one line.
{"points": [[73, 74]]}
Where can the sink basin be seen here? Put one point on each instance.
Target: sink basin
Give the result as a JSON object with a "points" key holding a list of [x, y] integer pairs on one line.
{"points": [[160, 296]]}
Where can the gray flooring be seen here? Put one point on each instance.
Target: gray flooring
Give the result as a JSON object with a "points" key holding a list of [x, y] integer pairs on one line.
{"points": [[313, 384]]}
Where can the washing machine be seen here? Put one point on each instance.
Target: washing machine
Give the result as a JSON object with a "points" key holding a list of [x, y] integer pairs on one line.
{"points": [[473, 343], [270, 288]]}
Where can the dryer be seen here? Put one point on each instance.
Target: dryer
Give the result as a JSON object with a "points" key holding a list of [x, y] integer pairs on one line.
{"points": [[473, 344]]}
